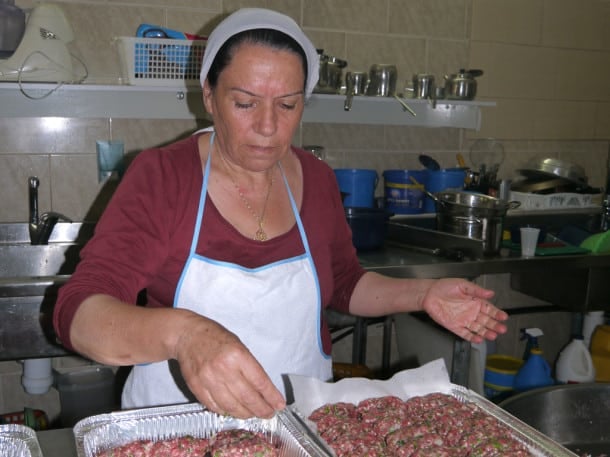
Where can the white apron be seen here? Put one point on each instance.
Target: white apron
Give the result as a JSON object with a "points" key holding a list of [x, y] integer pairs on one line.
{"points": [[274, 309]]}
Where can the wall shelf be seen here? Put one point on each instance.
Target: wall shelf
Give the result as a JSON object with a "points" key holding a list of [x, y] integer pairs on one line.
{"points": [[144, 102]]}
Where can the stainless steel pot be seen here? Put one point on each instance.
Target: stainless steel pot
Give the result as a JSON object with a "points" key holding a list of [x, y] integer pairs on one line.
{"points": [[473, 215], [424, 86], [462, 85], [382, 80], [331, 74], [551, 167]]}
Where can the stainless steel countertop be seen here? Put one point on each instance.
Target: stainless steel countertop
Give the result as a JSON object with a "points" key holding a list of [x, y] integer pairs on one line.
{"points": [[402, 262]]}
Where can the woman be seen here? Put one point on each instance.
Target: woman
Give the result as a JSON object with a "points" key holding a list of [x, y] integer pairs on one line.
{"points": [[240, 241]]}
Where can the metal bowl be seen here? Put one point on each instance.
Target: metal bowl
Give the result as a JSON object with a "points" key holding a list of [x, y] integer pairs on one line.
{"points": [[574, 415], [551, 167]]}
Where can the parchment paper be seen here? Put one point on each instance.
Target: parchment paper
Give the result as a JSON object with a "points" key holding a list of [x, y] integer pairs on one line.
{"points": [[310, 393]]}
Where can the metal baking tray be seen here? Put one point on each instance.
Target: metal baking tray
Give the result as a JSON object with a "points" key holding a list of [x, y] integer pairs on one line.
{"points": [[18, 441], [538, 444], [99, 433]]}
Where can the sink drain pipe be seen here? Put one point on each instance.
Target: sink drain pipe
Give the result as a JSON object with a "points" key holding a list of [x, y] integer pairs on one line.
{"points": [[37, 376]]}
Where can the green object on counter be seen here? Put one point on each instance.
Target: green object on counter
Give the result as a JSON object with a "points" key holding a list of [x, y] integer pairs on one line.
{"points": [[598, 243], [551, 249]]}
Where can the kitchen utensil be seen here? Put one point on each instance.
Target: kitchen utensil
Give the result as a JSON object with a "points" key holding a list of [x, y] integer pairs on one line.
{"points": [[486, 156], [424, 86], [574, 415], [550, 167], [382, 80], [460, 160], [473, 215], [405, 106], [331, 74], [355, 84], [450, 254], [462, 85], [429, 162]]}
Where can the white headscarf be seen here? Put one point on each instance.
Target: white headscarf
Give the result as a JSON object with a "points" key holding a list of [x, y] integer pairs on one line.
{"points": [[260, 18]]}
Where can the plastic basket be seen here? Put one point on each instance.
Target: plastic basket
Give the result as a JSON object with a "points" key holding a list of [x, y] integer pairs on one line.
{"points": [[160, 61], [565, 200]]}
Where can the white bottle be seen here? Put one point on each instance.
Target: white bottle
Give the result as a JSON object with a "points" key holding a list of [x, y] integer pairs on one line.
{"points": [[591, 321], [574, 364]]}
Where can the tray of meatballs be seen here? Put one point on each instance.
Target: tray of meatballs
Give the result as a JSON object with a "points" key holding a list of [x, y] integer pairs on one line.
{"points": [[415, 413]]}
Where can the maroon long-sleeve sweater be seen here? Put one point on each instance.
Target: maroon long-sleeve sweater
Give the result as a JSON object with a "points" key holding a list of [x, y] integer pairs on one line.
{"points": [[143, 238]]}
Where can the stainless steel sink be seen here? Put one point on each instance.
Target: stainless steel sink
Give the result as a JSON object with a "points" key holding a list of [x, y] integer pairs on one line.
{"points": [[24, 260], [30, 276]]}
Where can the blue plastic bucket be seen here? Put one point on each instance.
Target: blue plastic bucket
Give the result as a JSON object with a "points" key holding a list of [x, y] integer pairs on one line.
{"points": [[500, 372], [358, 185], [402, 195], [445, 179]]}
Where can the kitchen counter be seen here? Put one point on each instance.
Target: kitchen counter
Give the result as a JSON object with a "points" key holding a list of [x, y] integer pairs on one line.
{"points": [[564, 277]]}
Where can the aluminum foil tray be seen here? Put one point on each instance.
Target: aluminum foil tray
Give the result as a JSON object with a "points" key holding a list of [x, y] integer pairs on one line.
{"points": [[537, 443], [18, 441], [99, 433]]}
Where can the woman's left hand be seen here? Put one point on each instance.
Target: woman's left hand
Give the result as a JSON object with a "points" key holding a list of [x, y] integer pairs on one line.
{"points": [[463, 308]]}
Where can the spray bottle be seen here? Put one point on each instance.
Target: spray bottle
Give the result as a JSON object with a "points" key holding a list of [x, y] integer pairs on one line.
{"points": [[532, 335], [536, 371]]}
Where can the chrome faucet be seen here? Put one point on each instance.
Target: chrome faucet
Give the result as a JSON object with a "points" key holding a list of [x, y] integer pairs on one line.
{"points": [[41, 227]]}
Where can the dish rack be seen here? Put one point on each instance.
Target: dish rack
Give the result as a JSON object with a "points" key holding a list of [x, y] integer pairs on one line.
{"points": [[561, 200], [160, 61]]}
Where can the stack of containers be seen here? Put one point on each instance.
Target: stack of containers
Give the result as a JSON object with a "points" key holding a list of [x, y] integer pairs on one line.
{"points": [[366, 220], [404, 190]]}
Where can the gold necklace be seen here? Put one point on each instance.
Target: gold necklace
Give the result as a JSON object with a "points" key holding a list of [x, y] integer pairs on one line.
{"points": [[260, 234]]}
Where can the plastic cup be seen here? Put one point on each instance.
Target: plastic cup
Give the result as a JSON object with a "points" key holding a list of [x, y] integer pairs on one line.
{"points": [[529, 240]]}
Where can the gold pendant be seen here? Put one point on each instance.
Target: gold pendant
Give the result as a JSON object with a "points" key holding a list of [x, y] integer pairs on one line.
{"points": [[260, 235]]}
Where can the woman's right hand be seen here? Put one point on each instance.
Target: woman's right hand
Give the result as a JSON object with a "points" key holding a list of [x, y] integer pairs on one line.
{"points": [[222, 373]]}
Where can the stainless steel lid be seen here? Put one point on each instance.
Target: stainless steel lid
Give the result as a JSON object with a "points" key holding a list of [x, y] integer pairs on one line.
{"points": [[550, 167]]}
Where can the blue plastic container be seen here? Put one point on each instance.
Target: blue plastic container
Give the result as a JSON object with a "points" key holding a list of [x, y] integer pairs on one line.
{"points": [[358, 185], [535, 372], [402, 194], [445, 179], [500, 372]]}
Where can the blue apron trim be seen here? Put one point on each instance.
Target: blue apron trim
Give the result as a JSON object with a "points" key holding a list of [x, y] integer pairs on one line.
{"points": [[242, 268]]}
